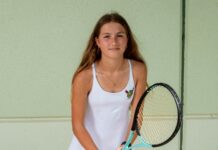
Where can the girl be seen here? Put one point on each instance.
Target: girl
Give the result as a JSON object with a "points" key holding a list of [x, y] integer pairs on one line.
{"points": [[108, 82]]}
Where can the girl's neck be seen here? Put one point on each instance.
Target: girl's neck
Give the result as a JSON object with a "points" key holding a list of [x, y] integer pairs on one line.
{"points": [[111, 66]]}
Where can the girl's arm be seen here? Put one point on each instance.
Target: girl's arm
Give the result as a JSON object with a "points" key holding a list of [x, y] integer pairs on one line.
{"points": [[80, 89], [140, 78]]}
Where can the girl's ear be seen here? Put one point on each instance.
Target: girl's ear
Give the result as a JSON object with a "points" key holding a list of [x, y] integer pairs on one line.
{"points": [[97, 41]]}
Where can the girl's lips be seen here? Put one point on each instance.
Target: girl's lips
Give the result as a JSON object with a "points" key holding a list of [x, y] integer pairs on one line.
{"points": [[114, 48]]}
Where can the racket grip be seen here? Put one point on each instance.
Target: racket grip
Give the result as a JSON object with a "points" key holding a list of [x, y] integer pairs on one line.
{"points": [[124, 143], [128, 142]]}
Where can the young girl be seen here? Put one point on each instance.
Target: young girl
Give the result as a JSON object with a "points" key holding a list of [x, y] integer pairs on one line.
{"points": [[108, 82]]}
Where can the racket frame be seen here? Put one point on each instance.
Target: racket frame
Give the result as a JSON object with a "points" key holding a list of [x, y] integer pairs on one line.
{"points": [[143, 142]]}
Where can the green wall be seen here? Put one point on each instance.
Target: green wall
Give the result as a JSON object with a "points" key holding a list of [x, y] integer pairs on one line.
{"points": [[41, 42], [201, 65], [201, 81]]}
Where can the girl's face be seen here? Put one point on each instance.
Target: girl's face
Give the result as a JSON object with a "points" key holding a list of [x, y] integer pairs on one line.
{"points": [[112, 40]]}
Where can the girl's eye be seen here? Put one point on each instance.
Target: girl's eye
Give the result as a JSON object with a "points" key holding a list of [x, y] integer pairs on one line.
{"points": [[105, 37]]}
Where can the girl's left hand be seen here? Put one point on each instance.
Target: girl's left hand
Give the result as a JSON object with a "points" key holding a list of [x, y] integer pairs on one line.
{"points": [[119, 148]]}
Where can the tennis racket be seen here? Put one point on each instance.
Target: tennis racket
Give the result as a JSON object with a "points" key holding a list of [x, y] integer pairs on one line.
{"points": [[157, 118]]}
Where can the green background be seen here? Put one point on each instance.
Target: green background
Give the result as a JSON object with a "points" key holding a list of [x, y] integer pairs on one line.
{"points": [[41, 43]]}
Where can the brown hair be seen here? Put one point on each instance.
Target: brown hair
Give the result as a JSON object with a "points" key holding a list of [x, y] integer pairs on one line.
{"points": [[92, 52]]}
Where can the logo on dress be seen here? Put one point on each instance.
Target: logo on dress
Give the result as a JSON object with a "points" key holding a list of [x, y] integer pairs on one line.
{"points": [[129, 93]]}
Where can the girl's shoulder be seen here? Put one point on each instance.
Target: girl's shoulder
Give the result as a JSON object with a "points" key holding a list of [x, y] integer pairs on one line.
{"points": [[137, 66], [139, 70], [84, 78]]}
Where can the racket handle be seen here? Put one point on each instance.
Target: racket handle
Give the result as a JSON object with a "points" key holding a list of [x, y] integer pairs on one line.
{"points": [[128, 142]]}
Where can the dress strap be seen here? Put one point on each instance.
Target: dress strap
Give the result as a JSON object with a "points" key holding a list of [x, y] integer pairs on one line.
{"points": [[93, 70], [130, 70]]}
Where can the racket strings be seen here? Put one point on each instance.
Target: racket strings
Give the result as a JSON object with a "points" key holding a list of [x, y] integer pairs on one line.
{"points": [[157, 116], [140, 116]]}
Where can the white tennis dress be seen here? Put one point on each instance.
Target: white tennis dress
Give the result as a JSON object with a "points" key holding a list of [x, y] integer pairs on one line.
{"points": [[107, 115]]}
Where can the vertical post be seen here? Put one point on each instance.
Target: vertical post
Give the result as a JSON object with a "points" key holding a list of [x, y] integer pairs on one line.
{"points": [[183, 17]]}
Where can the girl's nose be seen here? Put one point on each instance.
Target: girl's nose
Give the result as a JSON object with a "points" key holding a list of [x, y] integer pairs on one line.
{"points": [[114, 40]]}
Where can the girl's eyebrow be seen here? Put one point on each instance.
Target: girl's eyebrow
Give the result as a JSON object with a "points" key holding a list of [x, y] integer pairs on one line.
{"points": [[105, 33], [121, 32]]}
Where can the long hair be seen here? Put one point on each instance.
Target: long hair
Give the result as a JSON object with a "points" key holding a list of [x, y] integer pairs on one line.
{"points": [[92, 52]]}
